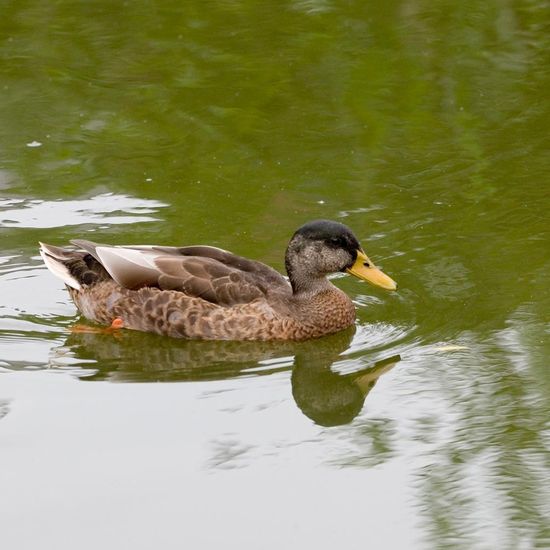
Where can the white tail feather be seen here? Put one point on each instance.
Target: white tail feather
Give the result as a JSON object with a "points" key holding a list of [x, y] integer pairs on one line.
{"points": [[59, 270]]}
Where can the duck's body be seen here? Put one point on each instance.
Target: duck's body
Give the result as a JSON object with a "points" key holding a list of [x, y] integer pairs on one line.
{"points": [[209, 293]]}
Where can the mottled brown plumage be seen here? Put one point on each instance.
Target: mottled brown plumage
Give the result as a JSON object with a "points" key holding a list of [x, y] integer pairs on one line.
{"points": [[209, 293]]}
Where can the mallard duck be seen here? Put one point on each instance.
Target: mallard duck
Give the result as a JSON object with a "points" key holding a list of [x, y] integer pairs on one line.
{"points": [[202, 292]]}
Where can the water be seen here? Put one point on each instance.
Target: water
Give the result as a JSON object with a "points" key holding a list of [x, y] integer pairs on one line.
{"points": [[424, 128]]}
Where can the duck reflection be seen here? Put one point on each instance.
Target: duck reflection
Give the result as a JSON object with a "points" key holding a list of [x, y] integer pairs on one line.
{"points": [[323, 394], [330, 398]]}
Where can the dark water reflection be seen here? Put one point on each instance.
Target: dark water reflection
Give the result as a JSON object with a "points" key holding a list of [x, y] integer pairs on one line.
{"points": [[326, 396], [330, 398]]}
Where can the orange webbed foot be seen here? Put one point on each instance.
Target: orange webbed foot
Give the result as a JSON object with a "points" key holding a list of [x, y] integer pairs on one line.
{"points": [[117, 324]]}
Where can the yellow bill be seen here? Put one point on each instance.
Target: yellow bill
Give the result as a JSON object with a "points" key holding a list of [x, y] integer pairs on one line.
{"points": [[364, 269]]}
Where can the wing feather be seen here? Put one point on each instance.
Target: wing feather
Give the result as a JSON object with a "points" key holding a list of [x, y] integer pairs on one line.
{"points": [[206, 272], [208, 279]]}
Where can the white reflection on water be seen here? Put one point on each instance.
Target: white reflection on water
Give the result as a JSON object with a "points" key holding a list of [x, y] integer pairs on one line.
{"points": [[31, 300], [106, 208]]}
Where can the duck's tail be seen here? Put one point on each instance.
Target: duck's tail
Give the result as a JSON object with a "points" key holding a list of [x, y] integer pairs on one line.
{"points": [[73, 267]]}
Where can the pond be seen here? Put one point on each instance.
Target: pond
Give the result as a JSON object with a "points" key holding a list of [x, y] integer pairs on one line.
{"points": [[422, 126]]}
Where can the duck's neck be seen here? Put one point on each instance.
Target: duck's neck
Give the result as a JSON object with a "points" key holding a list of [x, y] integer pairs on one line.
{"points": [[305, 286], [302, 269]]}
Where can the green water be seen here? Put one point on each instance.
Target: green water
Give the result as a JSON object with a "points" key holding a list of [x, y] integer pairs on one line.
{"points": [[421, 125]]}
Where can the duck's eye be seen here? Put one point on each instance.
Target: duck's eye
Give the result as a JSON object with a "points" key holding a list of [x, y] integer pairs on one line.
{"points": [[335, 241]]}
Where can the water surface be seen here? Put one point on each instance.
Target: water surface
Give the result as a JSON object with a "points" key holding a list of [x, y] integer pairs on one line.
{"points": [[422, 126]]}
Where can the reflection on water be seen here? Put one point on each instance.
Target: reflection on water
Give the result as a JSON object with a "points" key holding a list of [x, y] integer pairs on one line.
{"points": [[330, 398], [107, 208], [323, 393]]}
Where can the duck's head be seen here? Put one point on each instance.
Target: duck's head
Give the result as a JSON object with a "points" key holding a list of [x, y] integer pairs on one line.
{"points": [[322, 247]]}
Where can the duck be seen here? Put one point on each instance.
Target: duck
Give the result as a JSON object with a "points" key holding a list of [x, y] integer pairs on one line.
{"points": [[204, 292]]}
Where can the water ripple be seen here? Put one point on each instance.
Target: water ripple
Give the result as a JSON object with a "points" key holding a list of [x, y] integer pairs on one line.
{"points": [[107, 208]]}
